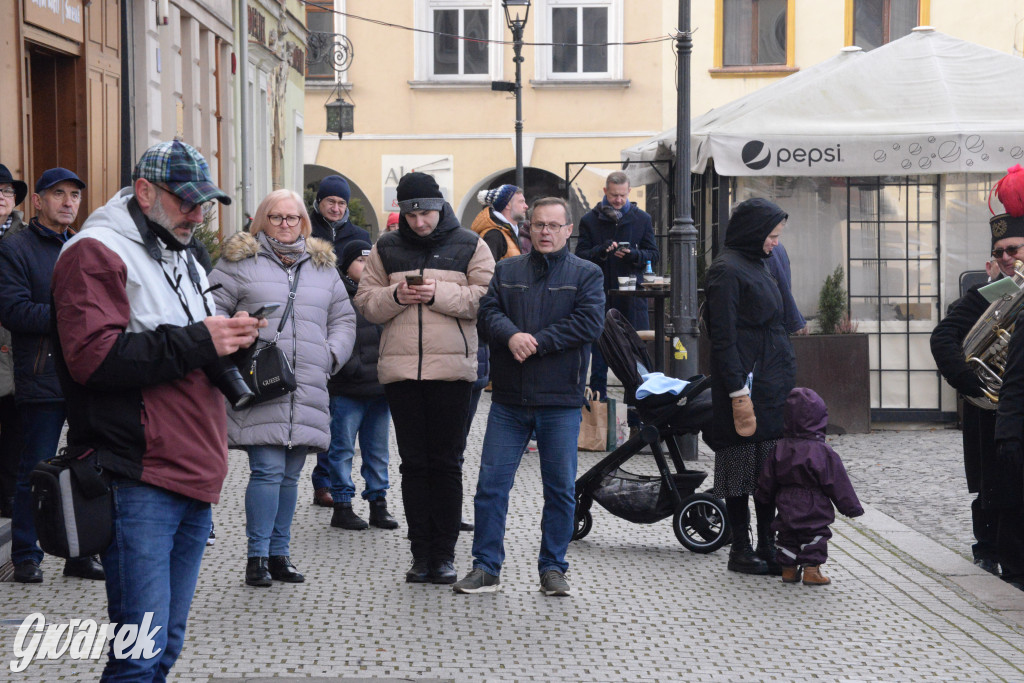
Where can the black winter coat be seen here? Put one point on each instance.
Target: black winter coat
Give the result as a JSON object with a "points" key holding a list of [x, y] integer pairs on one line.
{"points": [[358, 377], [986, 475], [27, 259], [345, 233], [558, 299], [744, 313], [598, 230], [1009, 490]]}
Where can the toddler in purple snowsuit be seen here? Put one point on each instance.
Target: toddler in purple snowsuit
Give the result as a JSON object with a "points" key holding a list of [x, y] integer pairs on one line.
{"points": [[803, 478]]}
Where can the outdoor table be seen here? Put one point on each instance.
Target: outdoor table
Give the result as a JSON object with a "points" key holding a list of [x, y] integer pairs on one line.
{"points": [[659, 295]]}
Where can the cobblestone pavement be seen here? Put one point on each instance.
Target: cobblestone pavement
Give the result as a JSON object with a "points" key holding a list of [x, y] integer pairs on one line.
{"points": [[904, 604]]}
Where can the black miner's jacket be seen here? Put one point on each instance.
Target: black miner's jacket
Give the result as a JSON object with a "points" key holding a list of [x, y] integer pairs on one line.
{"points": [[746, 324], [559, 299]]}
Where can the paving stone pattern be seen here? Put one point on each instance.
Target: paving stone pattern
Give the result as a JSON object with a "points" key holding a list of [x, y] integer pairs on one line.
{"points": [[642, 609]]}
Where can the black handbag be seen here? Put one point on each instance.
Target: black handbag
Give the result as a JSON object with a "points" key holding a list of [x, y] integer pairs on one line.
{"points": [[72, 504], [264, 366]]}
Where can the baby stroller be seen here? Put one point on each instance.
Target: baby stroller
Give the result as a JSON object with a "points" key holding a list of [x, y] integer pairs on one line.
{"points": [[698, 519]]}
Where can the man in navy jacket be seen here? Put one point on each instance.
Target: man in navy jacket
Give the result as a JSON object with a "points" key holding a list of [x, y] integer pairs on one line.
{"points": [[26, 268], [619, 237], [540, 315]]}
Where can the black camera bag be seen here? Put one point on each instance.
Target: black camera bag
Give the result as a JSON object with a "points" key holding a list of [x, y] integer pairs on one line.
{"points": [[72, 504], [264, 366]]}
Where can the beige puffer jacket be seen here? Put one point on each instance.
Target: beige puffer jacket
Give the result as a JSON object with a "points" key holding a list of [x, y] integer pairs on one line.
{"points": [[435, 341]]}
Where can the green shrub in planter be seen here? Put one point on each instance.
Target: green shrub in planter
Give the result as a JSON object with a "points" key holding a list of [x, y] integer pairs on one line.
{"points": [[832, 314]]}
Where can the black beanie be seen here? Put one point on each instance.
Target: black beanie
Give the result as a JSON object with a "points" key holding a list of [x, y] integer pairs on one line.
{"points": [[352, 251], [419, 192], [333, 186]]}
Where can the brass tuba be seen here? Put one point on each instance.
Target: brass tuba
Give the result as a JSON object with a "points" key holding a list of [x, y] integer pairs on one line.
{"points": [[986, 344]]}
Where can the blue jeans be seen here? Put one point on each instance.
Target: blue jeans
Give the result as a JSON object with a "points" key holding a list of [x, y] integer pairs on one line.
{"points": [[508, 432], [321, 474], [270, 497], [41, 425], [152, 566], [370, 419]]}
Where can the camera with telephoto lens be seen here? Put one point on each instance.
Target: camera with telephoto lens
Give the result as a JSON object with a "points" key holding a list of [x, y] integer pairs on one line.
{"points": [[224, 375]]}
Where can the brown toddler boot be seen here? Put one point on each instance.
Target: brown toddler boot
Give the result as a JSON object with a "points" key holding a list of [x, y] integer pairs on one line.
{"points": [[814, 577], [791, 574]]}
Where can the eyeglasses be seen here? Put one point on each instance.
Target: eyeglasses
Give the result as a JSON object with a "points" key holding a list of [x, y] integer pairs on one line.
{"points": [[186, 206], [546, 227], [8, 192], [1012, 251], [277, 219], [335, 203]]}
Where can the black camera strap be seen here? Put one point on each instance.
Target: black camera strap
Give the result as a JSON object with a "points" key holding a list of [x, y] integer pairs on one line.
{"points": [[294, 277]]}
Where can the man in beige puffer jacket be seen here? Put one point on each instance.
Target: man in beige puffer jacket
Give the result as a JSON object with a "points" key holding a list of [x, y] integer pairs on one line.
{"points": [[423, 283]]}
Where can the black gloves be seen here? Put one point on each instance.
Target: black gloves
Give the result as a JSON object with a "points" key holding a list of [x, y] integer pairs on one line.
{"points": [[968, 383], [1009, 452]]}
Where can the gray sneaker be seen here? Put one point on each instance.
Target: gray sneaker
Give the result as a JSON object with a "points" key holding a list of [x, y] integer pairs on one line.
{"points": [[478, 581], [552, 582]]}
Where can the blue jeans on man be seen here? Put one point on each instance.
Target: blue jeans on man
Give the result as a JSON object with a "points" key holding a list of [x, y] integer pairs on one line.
{"points": [[270, 498], [41, 426], [508, 431], [370, 419], [152, 565]]}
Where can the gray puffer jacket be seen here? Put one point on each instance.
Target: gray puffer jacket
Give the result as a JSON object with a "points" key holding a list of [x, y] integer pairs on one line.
{"points": [[319, 335]]}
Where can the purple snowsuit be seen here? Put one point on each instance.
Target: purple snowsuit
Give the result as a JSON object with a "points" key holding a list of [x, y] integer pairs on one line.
{"points": [[803, 478]]}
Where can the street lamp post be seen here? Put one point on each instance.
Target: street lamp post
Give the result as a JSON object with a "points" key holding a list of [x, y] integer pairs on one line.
{"points": [[517, 25], [682, 236]]}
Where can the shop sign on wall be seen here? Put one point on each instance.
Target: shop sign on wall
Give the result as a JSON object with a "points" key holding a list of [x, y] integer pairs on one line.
{"points": [[63, 17], [394, 166]]}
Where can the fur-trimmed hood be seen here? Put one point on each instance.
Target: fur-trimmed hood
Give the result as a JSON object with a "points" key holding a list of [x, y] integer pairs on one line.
{"points": [[243, 245]]}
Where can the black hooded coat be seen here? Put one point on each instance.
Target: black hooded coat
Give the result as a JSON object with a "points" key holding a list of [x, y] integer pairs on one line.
{"points": [[745, 318]]}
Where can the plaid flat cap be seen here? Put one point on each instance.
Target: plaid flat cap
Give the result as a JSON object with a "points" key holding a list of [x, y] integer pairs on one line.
{"points": [[182, 169]]}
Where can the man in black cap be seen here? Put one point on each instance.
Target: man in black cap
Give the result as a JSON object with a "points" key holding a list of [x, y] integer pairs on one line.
{"points": [[423, 283], [26, 269], [12, 193], [331, 221], [997, 512]]}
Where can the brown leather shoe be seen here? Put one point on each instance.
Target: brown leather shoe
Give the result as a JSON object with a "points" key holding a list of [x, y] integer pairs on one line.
{"points": [[322, 497], [791, 574], [814, 577]]}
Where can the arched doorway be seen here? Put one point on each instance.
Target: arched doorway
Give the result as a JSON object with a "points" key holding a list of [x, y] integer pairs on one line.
{"points": [[363, 214], [539, 183]]}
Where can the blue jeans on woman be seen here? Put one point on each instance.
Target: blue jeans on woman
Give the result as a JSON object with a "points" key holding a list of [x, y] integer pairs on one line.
{"points": [[152, 566], [370, 419], [270, 497], [508, 431]]}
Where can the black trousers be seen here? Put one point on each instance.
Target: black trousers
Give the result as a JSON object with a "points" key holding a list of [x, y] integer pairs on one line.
{"points": [[430, 428], [10, 450]]}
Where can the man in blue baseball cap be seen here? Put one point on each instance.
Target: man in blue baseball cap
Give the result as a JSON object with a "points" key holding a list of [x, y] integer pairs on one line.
{"points": [[27, 260], [135, 327]]}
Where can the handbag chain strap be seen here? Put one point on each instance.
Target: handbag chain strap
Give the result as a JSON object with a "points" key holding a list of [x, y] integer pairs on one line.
{"points": [[294, 277]]}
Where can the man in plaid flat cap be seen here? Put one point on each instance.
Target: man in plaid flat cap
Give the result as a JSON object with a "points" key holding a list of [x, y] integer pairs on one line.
{"points": [[135, 329]]}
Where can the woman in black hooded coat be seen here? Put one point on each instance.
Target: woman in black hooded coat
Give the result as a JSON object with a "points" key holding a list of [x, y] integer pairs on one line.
{"points": [[751, 362]]}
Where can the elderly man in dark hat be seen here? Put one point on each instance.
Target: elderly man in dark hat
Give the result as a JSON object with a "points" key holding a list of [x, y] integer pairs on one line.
{"points": [[27, 260], [12, 194], [331, 221], [998, 510], [423, 283]]}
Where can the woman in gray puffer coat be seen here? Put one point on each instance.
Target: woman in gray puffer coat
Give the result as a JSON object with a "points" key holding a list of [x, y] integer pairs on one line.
{"points": [[258, 268]]}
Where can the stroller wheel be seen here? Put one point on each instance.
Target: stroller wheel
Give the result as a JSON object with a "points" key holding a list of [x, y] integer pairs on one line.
{"points": [[583, 521], [700, 523]]}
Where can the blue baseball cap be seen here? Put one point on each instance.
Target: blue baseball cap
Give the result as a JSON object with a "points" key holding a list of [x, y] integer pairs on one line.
{"points": [[53, 176]]}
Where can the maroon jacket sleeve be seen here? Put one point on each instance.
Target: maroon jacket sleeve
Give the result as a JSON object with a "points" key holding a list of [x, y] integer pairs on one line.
{"points": [[837, 486], [92, 311]]}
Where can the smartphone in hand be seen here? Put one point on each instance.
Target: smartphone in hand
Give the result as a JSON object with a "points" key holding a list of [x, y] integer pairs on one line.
{"points": [[413, 280], [622, 246], [264, 310]]}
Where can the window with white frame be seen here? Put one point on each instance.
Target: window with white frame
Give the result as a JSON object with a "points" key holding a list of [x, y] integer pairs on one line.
{"points": [[584, 37], [457, 47], [324, 19]]}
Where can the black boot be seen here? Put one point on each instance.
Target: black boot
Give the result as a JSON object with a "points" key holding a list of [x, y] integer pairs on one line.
{"points": [[766, 537], [379, 515], [742, 557], [256, 572], [282, 569], [345, 518]]}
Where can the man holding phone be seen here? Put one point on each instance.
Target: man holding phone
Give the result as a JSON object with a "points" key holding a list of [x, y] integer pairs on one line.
{"points": [[423, 283], [619, 237]]}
